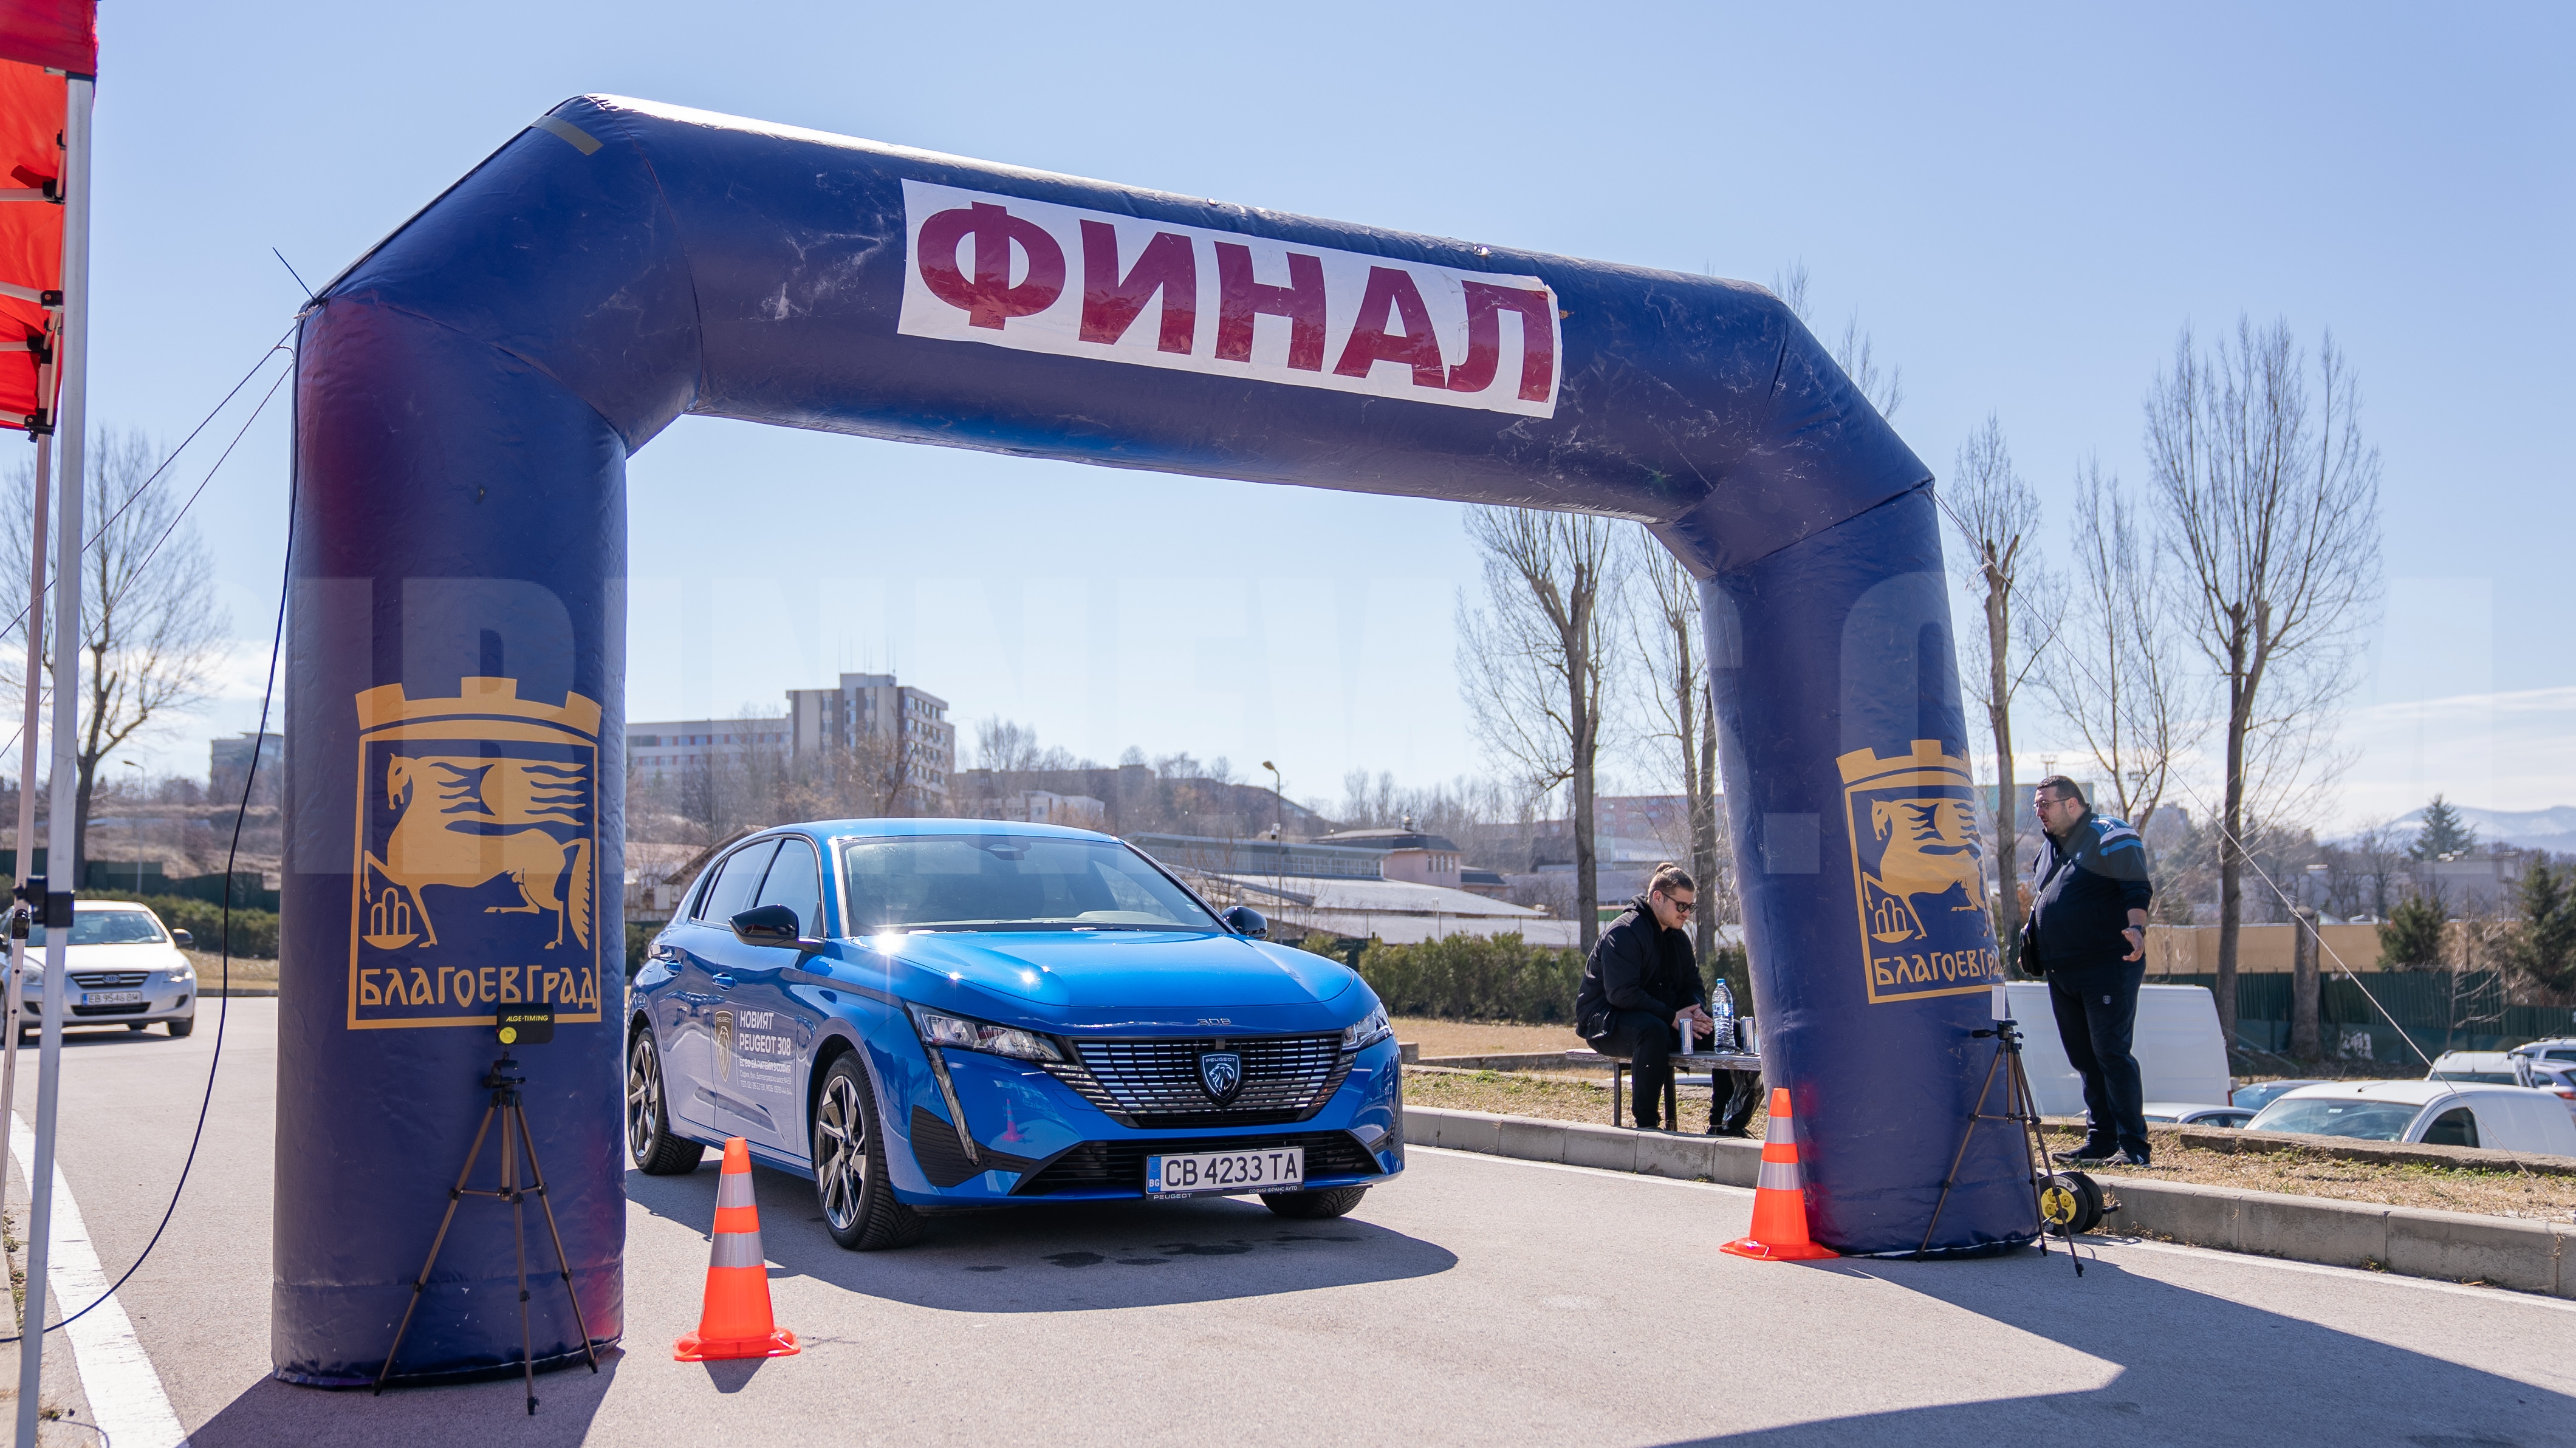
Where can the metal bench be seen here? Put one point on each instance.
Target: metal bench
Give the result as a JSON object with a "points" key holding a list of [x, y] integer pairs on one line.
{"points": [[1695, 1062]]}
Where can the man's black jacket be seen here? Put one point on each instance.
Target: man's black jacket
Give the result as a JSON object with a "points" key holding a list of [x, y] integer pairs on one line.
{"points": [[2086, 884], [1637, 965]]}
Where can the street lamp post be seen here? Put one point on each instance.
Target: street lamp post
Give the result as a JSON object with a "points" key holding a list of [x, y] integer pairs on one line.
{"points": [[1279, 791]]}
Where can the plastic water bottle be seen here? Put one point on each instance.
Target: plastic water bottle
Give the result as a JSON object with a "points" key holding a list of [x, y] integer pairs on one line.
{"points": [[1721, 1006]]}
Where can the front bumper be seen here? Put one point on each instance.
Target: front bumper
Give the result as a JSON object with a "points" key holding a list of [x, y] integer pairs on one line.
{"points": [[162, 1001], [1037, 1139]]}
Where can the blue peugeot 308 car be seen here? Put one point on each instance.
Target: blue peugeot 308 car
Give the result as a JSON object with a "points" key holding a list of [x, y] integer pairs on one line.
{"points": [[960, 1013]]}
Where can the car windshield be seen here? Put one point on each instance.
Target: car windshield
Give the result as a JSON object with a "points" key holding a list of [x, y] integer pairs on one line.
{"points": [[1010, 882], [2339, 1116], [2482, 1078], [2260, 1094], [106, 927]]}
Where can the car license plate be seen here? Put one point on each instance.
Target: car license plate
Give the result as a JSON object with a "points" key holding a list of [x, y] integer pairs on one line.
{"points": [[1210, 1173], [112, 998]]}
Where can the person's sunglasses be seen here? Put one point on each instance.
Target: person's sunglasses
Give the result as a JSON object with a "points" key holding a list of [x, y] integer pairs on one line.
{"points": [[1680, 905]]}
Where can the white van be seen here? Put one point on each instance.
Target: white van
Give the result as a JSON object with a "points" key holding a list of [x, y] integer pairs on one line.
{"points": [[2434, 1113], [2180, 1055]]}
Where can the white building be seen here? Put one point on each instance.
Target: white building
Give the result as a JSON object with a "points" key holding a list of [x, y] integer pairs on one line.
{"points": [[667, 746], [875, 707]]}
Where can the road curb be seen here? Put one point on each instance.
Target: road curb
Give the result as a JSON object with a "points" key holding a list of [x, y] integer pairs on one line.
{"points": [[2525, 1255]]}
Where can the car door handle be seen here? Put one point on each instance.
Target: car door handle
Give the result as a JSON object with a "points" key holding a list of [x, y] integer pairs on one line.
{"points": [[723, 982]]}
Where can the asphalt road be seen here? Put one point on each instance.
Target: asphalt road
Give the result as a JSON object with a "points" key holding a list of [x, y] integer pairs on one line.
{"points": [[1476, 1300]]}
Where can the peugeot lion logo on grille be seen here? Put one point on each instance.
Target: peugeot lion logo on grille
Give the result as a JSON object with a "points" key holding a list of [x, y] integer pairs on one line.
{"points": [[1221, 1072]]}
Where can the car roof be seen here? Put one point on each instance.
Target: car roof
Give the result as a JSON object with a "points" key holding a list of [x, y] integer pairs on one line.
{"points": [[2409, 1093], [2563, 1043], [2177, 1108], [900, 828], [2473, 1061], [111, 905]]}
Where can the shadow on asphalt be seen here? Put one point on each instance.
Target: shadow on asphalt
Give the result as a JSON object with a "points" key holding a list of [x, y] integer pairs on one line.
{"points": [[2193, 1368], [1070, 1257], [269, 1412]]}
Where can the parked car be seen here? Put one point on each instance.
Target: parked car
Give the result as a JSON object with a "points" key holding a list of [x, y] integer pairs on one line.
{"points": [[2558, 1081], [2433, 1113], [2176, 1113], [2555, 1050], [2259, 1094], [2486, 1068], [125, 967], [919, 1014]]}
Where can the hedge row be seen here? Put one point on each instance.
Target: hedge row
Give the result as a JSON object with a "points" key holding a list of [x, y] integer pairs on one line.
{"points": [[1465, 978], [254, 931]]}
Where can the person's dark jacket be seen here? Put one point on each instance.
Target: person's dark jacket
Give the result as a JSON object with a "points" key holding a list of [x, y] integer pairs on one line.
{"points": [[1637, 965], [2086, 884]]}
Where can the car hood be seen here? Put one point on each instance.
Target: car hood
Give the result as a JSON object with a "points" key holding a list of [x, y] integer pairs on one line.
{"points": [[1111, 975], [144, 955]]}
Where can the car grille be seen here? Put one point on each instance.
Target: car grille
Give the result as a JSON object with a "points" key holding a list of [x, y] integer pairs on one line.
{"points": [[1120, 1165], [135, 1009], [1156, 1083], [111, 980]]}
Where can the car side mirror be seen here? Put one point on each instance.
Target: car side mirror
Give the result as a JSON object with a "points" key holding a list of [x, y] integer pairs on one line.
{"points": [[183, 940], [774, 925], [1244, 920]]}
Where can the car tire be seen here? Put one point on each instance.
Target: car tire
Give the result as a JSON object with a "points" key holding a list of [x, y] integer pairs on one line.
{"points": [[179, 1029], [649, 1141], [1310, 1206], [850, 1182]]}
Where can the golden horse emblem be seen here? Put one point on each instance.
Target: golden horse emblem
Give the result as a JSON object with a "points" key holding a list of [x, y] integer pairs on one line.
{"points": [[475, 875], [462, 824], [1918, 873]]}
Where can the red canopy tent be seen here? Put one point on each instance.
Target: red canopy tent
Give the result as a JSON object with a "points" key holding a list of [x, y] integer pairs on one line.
{"points": [[42, 42]]}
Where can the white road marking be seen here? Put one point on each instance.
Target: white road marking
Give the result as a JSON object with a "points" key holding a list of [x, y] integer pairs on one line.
{"points": [[2098, 1243], [125, 1396]]}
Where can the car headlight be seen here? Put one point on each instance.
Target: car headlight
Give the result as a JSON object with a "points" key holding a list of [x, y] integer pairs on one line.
{"points": [[967, 1034], [1367, 1031]]}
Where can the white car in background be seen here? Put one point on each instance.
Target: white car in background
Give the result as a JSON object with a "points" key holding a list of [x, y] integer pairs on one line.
{"points": [[125, 969], [2430, 1113]]}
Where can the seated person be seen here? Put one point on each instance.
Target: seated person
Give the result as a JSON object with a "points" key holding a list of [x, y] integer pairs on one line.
{"points": [[1641, 992]]}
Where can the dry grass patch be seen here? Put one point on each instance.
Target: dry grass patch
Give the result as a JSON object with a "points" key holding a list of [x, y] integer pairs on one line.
{"points": [[1483, 1038], [1550, 1097], [210, 969]]}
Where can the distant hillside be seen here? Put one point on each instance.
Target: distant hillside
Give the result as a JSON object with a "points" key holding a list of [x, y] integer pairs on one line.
{"points": [[2552, 829]]}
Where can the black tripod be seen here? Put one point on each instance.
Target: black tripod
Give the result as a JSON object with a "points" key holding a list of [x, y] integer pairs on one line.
{"points": [[2053, 1201], [504, 1083]]}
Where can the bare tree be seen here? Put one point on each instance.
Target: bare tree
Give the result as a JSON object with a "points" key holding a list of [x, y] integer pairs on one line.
{"points": [[2271, 514], [2113, 676], [1535, 661], [151, 633], [1997, 519], [1885, 390], [1679, 720]]}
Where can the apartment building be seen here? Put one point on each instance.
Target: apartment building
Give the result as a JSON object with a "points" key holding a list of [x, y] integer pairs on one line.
{"points": [[875, 707], [666, 746]]}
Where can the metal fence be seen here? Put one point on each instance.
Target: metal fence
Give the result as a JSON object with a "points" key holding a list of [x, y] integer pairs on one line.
{"points": [[2442, 1010]]}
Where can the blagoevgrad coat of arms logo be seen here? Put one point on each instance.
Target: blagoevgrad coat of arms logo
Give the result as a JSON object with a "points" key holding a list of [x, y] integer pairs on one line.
{"points": [[1919, 872], [477, 871]]}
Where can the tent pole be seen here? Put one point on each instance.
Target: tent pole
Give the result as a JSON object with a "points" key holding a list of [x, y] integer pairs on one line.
{"points": [[64, 849], [28, 729]]}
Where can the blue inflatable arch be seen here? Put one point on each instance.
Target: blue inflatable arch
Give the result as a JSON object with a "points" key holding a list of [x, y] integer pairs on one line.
{"points": [[468, 394]]}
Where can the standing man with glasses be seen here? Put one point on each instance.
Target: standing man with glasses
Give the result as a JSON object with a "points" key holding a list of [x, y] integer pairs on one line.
{"points": [[1641, 991], [2087, 932]]}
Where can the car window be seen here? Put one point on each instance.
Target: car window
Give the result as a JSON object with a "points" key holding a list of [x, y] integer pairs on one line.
{"points": [[2473, 1078], [2455, 1127], [986, 882], [796, 882], [737, 881], [106, 927], [2338, 1116]]}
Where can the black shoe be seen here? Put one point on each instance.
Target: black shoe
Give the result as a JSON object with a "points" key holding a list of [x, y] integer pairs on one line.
{"points": [[2087, 1155]]}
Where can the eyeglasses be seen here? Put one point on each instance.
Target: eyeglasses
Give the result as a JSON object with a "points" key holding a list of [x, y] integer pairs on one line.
{"points": [[1680, 906]]}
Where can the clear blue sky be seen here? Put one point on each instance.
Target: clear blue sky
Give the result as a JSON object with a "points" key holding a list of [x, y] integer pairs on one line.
{"points": [[2024, 208]]}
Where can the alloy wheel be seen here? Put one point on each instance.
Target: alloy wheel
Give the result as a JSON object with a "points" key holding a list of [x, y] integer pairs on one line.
{"points": [[841, 1151], [643, 1098]]}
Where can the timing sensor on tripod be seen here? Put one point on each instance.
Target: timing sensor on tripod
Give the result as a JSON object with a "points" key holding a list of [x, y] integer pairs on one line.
{"points": [[524, 1024]]}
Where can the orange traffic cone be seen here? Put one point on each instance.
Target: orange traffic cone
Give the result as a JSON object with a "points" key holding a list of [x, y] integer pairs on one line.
{"points": [[735, 1322], [1780, 1195]]}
